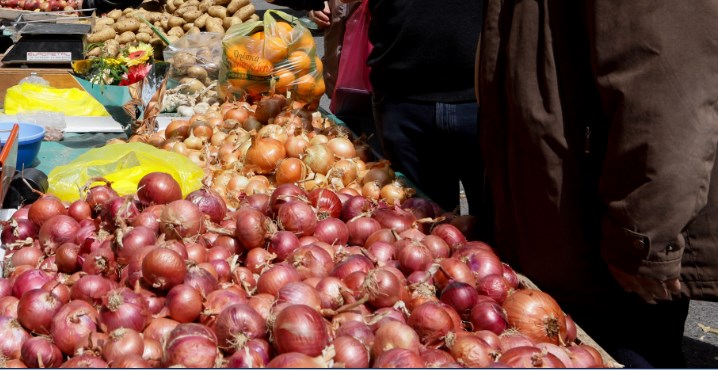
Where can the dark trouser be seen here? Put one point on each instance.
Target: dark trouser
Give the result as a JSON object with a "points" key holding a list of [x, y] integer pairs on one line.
{"points": [[435, 145], [635, 333]]}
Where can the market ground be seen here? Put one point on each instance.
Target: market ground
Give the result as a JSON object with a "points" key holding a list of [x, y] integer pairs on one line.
{"points": [[700, 347]]}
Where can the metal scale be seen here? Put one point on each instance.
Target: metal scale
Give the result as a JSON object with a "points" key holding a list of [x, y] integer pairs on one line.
{"points": [[47, 37]]}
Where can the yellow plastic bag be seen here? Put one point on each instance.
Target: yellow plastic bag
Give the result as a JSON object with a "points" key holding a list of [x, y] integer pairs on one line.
{"points": [[124, 165], [33, 97]]}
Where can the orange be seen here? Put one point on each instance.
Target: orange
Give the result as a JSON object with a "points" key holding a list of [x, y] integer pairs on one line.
{"points": [[318, 89], [258, 35], [319, 65], [305, 85], [299, 60], [284, 79], [275, 49], [233, 52], [303, 41], [284, 30]]}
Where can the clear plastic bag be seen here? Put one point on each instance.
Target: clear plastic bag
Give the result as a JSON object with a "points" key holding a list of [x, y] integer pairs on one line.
{"points": [[195, 56], [53, 122], [271, 56]]}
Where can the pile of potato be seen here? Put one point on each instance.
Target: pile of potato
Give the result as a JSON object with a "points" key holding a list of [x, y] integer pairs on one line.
{"points": [[120, 28]]}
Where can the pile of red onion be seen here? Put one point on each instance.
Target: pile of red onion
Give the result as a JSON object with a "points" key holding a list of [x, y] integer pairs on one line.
{"points": [[296, 278]]}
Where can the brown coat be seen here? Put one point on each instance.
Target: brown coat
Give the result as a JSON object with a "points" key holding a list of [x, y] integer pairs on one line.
{"points": [[599, 130]]}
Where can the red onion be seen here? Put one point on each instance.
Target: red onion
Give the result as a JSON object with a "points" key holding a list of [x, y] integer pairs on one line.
{"points": [[469, 350], [149, 219], [350, 353], [311, 261], [8, 306], [132, 241], [585, 356], [45, 208], [29, 255], [383, 288], [259, 202], [511, 277], [332, 231], [118, 211], [258, 259], [5, 288], [297, 292], [528, 357], [359, 330], [399, 358], [394, 218], [299, 328], [297, 217], [482, 263], [80, 210], [123, 343], [491, 339], [36, 309], [29, 280], [131, 362], [282, 244], [100, 195], [276, 277], [72, 325], [488, 316], [394, 334], [436, 358], [201, 280], [571, 330], [511, 338], [184, 303], [12, 337], [286, 193], [251, 228], [237, 324], [494, 286], [196, 252], [19, 230], [163, 268], [246, 358], [158, 188], [294, 360], [421, 207], [354, 207], [536, 314], [450, 234], [66, 258], [91, 289], [561, 353], [181, 219], [57, 230], [326, 202], [210, 203], [152, 352], [40, 352], [431, 323], [437, 246], [461, 296], [361, 228], [101, 261], [352, 264], [124, 308], [84, 362], [331, 292], [413, 257], [159, 329], [191, 345]]}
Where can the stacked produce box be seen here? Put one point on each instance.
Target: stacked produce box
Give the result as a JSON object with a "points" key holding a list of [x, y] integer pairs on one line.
{"points": [[300, 250]]}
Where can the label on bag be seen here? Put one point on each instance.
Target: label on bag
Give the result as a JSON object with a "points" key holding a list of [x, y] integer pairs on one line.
{"points": [[49, 56]]}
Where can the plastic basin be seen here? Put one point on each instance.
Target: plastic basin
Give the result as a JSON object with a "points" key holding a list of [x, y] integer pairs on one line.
{"points": [[29, 139]]}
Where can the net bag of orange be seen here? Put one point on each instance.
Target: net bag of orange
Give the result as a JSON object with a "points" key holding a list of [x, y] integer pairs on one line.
{"points": [[273, 55]]}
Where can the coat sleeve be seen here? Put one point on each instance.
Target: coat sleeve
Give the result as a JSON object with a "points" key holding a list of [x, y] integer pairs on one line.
{"points": [[656, 65]]}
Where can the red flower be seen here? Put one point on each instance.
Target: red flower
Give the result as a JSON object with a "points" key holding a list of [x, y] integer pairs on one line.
{"points": [[135, 74]]}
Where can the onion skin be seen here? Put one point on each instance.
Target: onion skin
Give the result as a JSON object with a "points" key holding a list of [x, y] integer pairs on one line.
{"points": [[191, 345], [72, 325], [393, 335], [399, 358], [39, 351], [299, 328], [350, 353], [237, 324], [36, 310]]}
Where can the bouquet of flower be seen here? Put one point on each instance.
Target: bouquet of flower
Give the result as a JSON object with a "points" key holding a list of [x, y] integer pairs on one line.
{"points": [[130, 86]]}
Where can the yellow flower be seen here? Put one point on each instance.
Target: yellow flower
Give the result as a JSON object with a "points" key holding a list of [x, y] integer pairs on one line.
{"points": [[137, 55], [112, 62]]}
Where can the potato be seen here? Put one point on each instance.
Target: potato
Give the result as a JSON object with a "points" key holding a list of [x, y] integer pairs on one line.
{"points": [[232, 21], [144, 28], [205, 5], [175, 21], [128, 10], [235, 5], [104, 35], [245, 12], [95, 52], [127, 24], [171, 39], [221, 2], [254, 17], [201, 21], [176, 31], [126, 37], [191, 15], [197, 72], [154, 17], [214, 25], [143, 37], [217, 11], [187, 26], [193, 85], [193, 31], [104, 21], [111, 48]]}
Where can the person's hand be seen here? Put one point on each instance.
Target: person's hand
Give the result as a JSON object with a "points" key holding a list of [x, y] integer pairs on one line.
{"points": [[648, 289], [321, 17]]}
